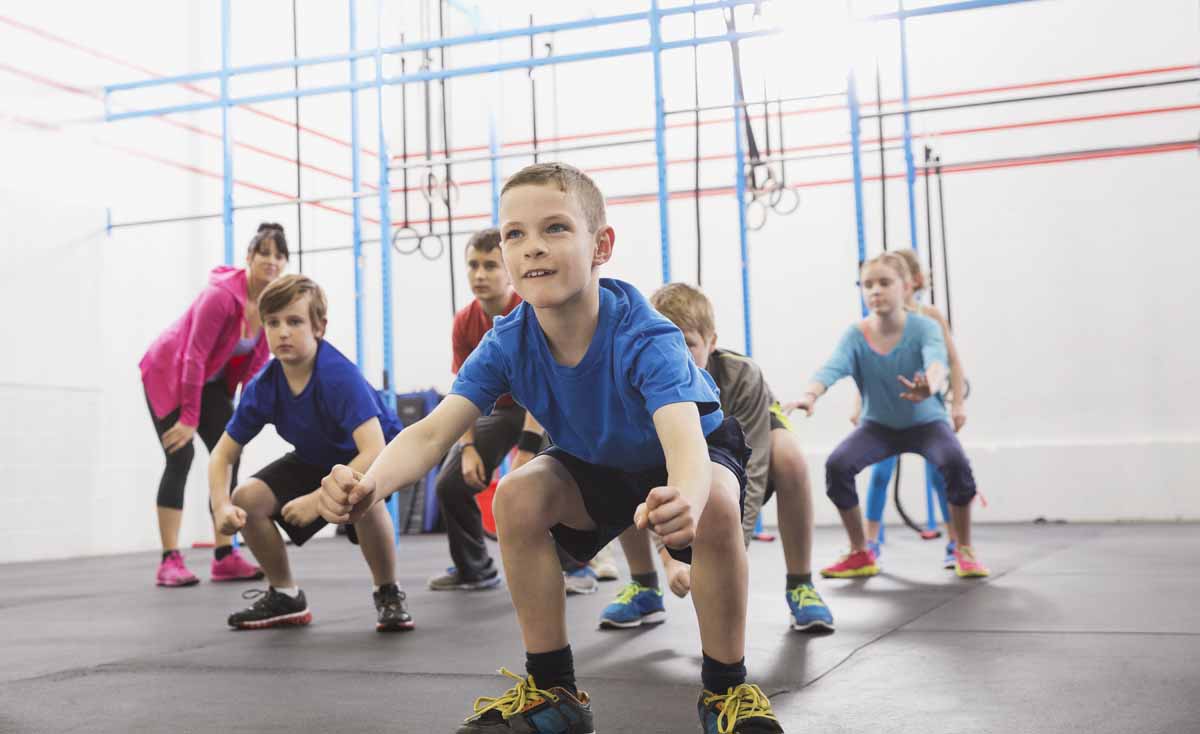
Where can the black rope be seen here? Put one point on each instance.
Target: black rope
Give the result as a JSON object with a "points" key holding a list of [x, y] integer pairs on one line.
{"points": [[945, 258], [929, 229]]}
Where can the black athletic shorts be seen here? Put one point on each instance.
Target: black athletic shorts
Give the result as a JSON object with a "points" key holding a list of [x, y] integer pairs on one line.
{"points": [[288, 478], [611, 496]]}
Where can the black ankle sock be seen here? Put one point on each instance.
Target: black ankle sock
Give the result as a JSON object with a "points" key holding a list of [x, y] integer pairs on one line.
{"points": [[795, 579], [649, 580], [719, 677], [167, 553], [550, 669], [221, 551]]}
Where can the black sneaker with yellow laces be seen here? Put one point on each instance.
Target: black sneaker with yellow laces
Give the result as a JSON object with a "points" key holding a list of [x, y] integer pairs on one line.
{"points": [[528, 709], [744, 709]]}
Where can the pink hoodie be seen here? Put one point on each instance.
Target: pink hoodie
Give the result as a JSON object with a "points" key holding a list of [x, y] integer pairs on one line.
{"points": [[183, 358]]}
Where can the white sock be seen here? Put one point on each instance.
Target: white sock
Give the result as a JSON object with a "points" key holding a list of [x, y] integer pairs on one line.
{"points": [[292, 591]]}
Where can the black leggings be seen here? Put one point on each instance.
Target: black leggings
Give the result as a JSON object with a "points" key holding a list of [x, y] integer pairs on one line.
{"points": [[216, 408]]}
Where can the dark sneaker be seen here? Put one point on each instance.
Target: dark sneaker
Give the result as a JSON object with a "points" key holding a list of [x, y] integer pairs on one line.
{"points": [[392, 612], [741, 710], [453, 581], [528, 709], [271, 610]]}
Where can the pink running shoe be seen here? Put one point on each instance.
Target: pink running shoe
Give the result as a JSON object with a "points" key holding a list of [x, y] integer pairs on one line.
{"points": [[234, 567], [965, 564], [172, 572], [852, 565]]}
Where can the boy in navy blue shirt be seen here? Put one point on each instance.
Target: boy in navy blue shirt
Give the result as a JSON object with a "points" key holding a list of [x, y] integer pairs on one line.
{"points": [[638, 438], [320, 403]]}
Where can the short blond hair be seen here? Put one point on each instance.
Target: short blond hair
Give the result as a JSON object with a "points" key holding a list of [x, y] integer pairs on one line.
{"points": [[284, 290], [687, 307], [569, 180]]}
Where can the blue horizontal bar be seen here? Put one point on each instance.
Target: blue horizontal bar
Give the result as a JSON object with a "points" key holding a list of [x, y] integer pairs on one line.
{"points": [[944, 8], [524, 63], [423, 45]]}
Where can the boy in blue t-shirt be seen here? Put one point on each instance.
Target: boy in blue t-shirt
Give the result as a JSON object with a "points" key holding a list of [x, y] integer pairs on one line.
{"points": [[638, 438], [320, 403]]}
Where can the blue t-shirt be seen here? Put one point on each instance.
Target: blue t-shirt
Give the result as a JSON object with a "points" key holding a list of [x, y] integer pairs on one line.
{"points": [[600, 410], [920, 345], [319, 423]]}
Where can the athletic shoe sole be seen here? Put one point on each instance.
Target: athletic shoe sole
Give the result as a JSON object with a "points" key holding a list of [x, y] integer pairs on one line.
{"points": [[583, 591], [814, 626], [971, 574], [648, 619], [395, 627], [864, 571], [191, 582], [483, 585], [297, 619], [253, 577]]}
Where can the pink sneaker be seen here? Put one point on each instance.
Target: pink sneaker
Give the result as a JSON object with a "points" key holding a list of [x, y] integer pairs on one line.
{"points": [[852, 565], [172, 572], [234, 567], [965, 564]]}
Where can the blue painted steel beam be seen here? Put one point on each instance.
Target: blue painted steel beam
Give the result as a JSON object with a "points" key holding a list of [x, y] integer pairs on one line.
{"points": [[856, 159], [944, 8], [226, 136], [435, 74], [356, 207], [910, 168], [739, 156], [423, 45], [660, 149], [385, 233]]}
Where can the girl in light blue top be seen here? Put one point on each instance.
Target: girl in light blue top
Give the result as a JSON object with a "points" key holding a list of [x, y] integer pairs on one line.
{"points": [[898, 361]]}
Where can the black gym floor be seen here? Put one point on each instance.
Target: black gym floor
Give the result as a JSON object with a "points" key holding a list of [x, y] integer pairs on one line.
{"points": [[1081, 628]]}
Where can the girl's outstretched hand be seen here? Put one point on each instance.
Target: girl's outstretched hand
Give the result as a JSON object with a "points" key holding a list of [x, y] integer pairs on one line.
{"points": [[918, 388]]}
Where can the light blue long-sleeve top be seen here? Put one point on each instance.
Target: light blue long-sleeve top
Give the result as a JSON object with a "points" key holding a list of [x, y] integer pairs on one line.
{"points": [[920, 345]]}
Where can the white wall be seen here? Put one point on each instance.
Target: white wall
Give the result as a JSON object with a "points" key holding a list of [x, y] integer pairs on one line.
{"points": [[1073, 286]]}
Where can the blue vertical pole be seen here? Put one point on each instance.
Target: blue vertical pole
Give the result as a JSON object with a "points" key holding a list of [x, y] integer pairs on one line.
{"points": [[356, 185], [910, 168], [910, 180], [660, 134], [226, 135], [385, 228], [856, 158], [739, 156], [385, 242], [493, 151]]}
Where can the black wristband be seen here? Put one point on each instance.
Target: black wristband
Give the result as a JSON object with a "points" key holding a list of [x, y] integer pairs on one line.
{"points": [[529, 441]]}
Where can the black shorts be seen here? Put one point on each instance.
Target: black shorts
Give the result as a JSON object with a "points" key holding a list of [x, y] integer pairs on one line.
{"points": [[611, 496], [288, 478], [778, 420]]}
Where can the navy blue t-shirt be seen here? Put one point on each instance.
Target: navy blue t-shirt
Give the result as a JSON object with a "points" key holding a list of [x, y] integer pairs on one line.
{"points": [[602, 409], [319, 423]]}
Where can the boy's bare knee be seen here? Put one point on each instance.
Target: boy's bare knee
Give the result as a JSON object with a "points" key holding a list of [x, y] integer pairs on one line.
{"points": [[519, 501], [721, 522]]}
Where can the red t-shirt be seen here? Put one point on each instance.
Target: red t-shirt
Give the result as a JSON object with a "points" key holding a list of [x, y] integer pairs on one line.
{"points": [[470, 324]]}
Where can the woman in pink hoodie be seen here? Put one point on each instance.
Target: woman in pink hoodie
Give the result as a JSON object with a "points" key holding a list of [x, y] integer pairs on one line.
{"points": [[190, 374]]}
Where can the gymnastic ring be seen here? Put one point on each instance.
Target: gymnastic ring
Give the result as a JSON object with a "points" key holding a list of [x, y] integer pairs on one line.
{"points": [[795, 200], [413, 235], [755, 223], [441, 246], [449, 193], [429, 189]]}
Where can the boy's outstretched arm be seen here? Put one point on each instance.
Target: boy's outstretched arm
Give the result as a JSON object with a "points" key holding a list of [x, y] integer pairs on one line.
{"points": [[674, 510], [346, 494]]}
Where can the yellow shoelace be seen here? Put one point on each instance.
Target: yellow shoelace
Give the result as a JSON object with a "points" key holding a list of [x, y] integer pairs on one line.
{"points": [[805, 596], [631, 590], [515, 699], [738, 704]]}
